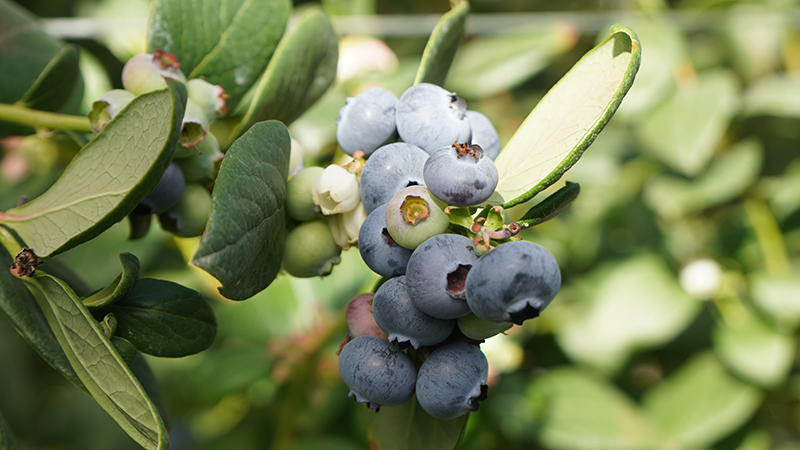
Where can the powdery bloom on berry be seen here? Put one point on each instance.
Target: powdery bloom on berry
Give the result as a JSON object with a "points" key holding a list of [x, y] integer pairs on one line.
{"points": [[336, 190]]}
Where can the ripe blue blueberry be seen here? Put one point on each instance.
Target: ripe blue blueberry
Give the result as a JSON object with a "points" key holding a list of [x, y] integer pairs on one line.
{"points": [[484, 134], [436, 274], [512, 282], [166, 194], [452, 381], [366, 121], [431, 117], [377, 372], [460, 175], [406, 325], [388, 170], [378, 250]]}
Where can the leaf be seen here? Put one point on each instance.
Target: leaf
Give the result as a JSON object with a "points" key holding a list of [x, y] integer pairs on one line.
{"points": [[56, 83], [684, 131], [442, 45], [490, 65], [638, 304], [21, 309], [552, 206], [773, 95], [98, 364], [107, 179], [162, 318], [227, 42], [753, 350], [119, 287], [730, 175], [573, 410], [777, 297], [701, 403], [569, 117], [242, 246], [301, 70], [409, 427]]}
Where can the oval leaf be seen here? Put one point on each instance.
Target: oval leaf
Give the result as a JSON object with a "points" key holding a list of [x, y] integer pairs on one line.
{"points": [[409, 427], [226, 42], [107, 179], [119, 287], [701, 403], [97, 363], [56, 83], [162, 318], [552, 206], [302, 69], [442, 45], [569, 117], [243, 243]]}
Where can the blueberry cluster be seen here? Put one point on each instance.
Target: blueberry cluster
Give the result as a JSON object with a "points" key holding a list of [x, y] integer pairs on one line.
{"points": [[449, 285]]}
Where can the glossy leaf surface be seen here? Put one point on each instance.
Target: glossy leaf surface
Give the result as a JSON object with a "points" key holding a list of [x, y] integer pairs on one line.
{"points": [[242, 246], [569, 117]]}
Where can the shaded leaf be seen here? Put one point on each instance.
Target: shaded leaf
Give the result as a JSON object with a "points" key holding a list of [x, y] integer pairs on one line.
{"points": [[552, 206], [162, 318], [301, 70], [701, 403], [21, 309], [124, 282], [242, 246], [409, 427], [573, 410], [569, 117], [97, 363], [226, 42], [56, 83], [638, 304], [684, 131], [7, 441], [107, 179], [442, 45]]}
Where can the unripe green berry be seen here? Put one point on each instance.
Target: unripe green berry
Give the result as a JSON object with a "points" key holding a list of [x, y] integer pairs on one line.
{"points": [[412, 216], [310, 250], [476, 328], [299, 201], [188, 218]]}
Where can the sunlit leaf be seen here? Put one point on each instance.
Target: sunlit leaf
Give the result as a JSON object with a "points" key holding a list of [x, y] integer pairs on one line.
{"points": [[409, 427], [442, 45], [773, 95], [569, 117], [777, 297]]}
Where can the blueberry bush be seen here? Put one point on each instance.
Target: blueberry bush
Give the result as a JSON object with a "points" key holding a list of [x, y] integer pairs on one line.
{"points": [[222, 233]]}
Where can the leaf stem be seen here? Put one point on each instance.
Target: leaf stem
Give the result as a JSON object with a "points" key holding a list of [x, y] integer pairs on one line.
{"points": [[43, 119], [770, 239]]}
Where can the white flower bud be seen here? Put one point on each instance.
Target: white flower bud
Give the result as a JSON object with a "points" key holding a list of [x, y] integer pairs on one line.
{"points": [[146, 72], [336, 190], [345, 226], [210, 97]]}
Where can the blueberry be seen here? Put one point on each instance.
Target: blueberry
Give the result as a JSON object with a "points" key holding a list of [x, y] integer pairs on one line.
{"points": [[412, 216], [189, 216], [391, 168], [366, 121], [431, 117], [310, 250], [478, 329], [378, 250], [166, 194], [406, 325], [452, 381], [460, 175], [436, 274], [360, 321], [377, 372], [512, 282], [299, 200], [484, 134]]}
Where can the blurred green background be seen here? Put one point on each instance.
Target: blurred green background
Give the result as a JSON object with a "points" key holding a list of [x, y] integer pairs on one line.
{"points": [[677, 323]]}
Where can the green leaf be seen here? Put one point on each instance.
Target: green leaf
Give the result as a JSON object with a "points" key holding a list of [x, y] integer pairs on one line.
{"points": [[569, 117], [753, 350], [97, 363], [55, 84], [7, 441], [638, 304], [777, 297], [490, 65], [442, 45], [684, 131], [162, 318], [302, 69], [124, 282], [552, 206], [107, 179], [730, 175], [409, 427], [701, 403], [21, 309], [773, 95], [227, 42], [573, 410], [242, 246]]}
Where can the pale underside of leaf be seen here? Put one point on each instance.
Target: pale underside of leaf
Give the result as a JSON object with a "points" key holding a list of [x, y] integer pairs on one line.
{"points": [[568, 118]]}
